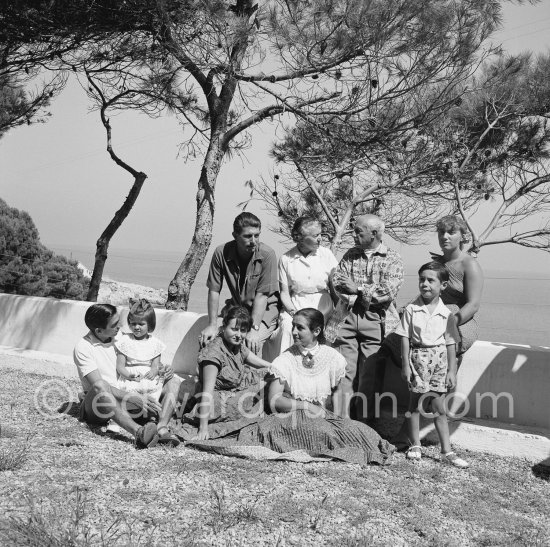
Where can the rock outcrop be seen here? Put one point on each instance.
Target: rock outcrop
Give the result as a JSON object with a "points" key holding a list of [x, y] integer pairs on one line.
{"points": [[119, 293]]}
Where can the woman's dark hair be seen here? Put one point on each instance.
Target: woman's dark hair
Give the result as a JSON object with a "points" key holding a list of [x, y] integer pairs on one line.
{"points": [[438, 268], [142, 309], [300, 223], [99, 315], [245, 220], [315, 320], [241, 315]]}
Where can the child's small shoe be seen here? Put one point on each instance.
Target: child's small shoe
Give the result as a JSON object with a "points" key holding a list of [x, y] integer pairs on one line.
{"points": [[414, 453], [454, 459]]}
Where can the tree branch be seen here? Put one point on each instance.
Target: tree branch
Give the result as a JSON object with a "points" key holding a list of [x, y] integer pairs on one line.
{"points": [[298, 73], [171, 45], [320, 199], [105, 121]]}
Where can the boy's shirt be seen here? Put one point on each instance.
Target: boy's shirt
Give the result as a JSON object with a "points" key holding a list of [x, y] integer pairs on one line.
{"points": [[425, 329]]}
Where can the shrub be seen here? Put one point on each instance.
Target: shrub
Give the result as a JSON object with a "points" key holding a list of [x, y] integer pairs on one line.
{"points": [[27, 267]]}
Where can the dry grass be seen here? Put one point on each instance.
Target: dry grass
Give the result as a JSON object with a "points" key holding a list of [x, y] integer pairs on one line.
{"points": [[78, 487], [13, 458]]}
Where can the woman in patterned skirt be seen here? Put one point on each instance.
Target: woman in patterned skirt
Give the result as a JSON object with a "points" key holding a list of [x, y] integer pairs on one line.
{"points": [[301, 383]]}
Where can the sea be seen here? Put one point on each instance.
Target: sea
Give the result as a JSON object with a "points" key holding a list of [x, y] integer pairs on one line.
{"points": [[515, 308]]}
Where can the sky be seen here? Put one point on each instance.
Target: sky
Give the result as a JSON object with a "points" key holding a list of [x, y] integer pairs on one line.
{"points": [[61, 174]]}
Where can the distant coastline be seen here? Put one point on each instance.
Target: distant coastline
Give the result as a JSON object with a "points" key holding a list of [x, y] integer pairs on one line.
{"points": [[118, 293], [515, 308]]}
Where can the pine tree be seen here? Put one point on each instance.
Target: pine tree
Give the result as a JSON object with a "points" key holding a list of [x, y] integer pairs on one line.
{"points": [[27, 267]]}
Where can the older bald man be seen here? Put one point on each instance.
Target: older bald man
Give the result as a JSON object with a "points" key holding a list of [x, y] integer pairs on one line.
{"points": [[367, 279]]}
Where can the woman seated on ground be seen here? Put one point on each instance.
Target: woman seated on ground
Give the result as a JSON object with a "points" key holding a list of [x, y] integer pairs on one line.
{"points": [[304, 274], [301, 383], [228, 373]]}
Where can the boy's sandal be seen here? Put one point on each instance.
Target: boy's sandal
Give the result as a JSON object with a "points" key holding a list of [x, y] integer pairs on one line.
{"points": [[414, 453], [454, 459], [167, 438], [147, 436]]}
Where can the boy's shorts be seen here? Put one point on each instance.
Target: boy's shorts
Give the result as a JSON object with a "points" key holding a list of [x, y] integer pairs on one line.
{"points": [[428, 369]]}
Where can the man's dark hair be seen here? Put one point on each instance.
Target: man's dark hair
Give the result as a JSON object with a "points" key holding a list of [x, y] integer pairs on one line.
{"points": [[438, 268], [99, 315], [245, 220]]}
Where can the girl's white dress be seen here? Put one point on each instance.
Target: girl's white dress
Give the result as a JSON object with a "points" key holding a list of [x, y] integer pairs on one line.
{"points": [[139, 356]]}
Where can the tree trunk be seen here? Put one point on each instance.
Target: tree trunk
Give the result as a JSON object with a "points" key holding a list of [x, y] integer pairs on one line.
{"points": [[180, 287], [102, 245]]}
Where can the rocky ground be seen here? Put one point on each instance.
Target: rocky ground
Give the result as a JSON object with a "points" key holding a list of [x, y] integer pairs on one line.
{"points": [[118, 292]]}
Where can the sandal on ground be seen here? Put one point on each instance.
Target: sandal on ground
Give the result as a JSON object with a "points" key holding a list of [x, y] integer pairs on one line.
{"points": [[167, 438], [454, 459], [147, 436], [414, 453]]}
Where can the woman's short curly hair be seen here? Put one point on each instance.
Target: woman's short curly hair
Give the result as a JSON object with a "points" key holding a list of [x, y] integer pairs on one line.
{"points": [[300, 224]]}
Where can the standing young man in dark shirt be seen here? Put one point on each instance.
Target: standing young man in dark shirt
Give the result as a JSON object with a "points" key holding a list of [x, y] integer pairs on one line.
{"points": [[250, 270]]}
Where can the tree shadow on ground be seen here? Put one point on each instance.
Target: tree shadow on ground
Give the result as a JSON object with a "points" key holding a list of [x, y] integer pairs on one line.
{"points": [[510, 392], [70, 408], [542, 470]]}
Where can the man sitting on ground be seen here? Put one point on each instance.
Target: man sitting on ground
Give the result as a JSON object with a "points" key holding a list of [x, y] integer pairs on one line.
{"points": [[95, 360]]}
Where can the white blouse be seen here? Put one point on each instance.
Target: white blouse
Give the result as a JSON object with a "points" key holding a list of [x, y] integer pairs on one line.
{"points": [[310, 379], [307, 278]]}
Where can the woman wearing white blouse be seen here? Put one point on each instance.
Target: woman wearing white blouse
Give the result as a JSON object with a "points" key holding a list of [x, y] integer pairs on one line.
{"points": [[304, 273]]}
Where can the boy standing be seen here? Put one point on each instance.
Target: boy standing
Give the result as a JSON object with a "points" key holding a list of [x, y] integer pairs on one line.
{"points": [[429, 336]]}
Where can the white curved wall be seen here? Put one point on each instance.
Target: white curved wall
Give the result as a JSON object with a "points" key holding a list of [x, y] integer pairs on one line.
{"points": [[54, 327], [503, 382]]}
